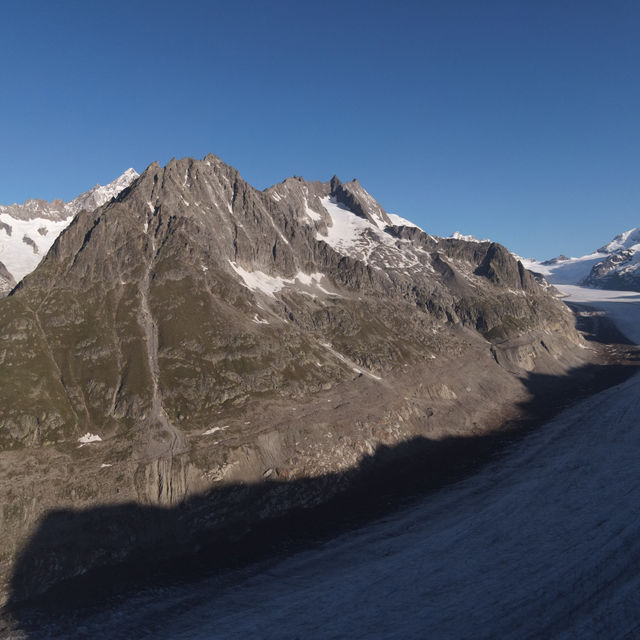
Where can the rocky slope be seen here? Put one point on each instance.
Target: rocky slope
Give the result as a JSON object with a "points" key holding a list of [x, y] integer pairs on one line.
{"points": [[620, 270], [7, 281], [194, 338], [615, 265], [28, 230]]}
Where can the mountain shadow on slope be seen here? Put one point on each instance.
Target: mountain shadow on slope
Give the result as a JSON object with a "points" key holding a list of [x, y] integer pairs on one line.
{"points": [[169, 550]]}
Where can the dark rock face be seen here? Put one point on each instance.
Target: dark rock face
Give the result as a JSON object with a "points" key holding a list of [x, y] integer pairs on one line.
{"points": [[497, 266], [619, 271], [358, 201], [620, 267], [28, 241], [198, 333], [555, 260], [6, 281]]}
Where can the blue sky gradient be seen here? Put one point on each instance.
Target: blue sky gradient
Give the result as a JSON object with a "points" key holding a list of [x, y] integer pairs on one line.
{"points": [[515, 121]]}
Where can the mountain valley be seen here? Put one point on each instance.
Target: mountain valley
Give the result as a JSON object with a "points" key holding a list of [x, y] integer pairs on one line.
{"points": [[193, 346]]}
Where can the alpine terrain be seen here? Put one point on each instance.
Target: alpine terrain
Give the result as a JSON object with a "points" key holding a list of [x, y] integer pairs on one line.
{"points": [[540, 542], [614, 266], [28, 230], [196, 356]]}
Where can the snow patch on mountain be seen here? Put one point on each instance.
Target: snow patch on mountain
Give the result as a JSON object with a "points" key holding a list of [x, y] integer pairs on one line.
{"points": [[22, 248], [270, 285], [347, 229], [316, 217], [88, 438], [356, 237], [467, 238], [399, 221]]}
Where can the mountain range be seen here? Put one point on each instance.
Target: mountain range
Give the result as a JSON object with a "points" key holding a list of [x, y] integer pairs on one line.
{"points": [[616, 265], [28, 230], [193, 337]]}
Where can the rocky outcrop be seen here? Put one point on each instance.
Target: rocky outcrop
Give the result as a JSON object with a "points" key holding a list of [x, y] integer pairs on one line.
{"points": [[620, 267], [6, 281], [208, 335], [618, 271]]}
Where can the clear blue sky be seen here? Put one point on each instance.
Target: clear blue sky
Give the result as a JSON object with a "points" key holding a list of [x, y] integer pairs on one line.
{"points": [[516, 121]]}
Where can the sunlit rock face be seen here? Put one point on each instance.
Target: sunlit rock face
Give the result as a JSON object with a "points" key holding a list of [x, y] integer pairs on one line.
{"points": [[194, 333]]}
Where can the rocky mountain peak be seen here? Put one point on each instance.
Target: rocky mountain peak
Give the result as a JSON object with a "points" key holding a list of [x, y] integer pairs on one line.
{"points": [[356, 199], [192, 257], [195, 334], [214, 160], [97, 196], [207, 219], [625, 240]]}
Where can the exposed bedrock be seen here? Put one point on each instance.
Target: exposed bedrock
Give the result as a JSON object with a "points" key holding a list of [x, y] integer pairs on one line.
{"points": [[195, 336]]}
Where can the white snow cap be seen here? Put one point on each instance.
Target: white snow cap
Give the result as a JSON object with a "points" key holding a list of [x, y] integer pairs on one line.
{"points": [[459, 236], [625, 240], [399, 221]]}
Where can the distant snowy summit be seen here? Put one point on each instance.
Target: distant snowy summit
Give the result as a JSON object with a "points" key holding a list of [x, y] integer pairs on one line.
{"points": [[616, 265], [467, 238], [98, 196], [28, 230]]}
